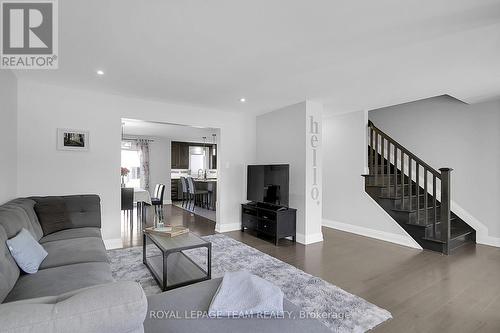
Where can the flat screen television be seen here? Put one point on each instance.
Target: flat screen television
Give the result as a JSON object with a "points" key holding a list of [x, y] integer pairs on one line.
{"points": [[268, 183]]}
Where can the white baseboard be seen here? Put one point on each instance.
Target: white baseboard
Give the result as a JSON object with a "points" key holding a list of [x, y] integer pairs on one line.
{"points": [[487, 240], [372, 233], [227, 227], [309, 239], [115, 243]]}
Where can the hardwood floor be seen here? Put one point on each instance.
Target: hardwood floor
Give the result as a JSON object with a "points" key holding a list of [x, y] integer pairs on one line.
{"points": [[174, 215], [425, 291]]}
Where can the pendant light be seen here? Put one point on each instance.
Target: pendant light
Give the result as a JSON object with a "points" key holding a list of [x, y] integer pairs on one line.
{"points": [[214, 144]]}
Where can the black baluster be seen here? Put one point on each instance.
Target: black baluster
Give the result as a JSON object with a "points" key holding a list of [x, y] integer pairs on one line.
{"points": [[410, 180], [382, 160], [376, 157], [434, 204], [425, 196], [402, 179], [395, 169], [388, 164], [417, 178], [370, 151]]}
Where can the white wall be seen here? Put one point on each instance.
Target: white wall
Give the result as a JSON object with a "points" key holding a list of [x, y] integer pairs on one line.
{"points": [[8, 135], [346, 205], [44, 170], [283, 137], [445, 132]]}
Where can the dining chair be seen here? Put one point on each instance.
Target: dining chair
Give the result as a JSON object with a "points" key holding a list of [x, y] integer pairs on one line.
{"points": [[196, 195], [128, 204], [157, 199]]}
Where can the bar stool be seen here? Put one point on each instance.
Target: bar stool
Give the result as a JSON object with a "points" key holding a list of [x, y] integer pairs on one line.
{"points": [[195, 194], [185, 191]]}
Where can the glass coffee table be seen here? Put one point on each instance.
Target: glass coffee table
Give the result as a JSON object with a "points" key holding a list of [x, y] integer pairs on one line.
{"points": [[171, 268]]}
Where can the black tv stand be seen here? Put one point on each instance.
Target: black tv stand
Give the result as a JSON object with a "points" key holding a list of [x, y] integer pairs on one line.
{"points": [[271, 220]]}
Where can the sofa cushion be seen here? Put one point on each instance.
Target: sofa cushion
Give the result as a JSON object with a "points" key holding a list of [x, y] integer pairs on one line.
{"points": [[58, 280], [9, 271], [27, 252], [84, 210], [74, 251], [72, 233], [114, 307], [28, 206], [52, 214], [186, 301]]}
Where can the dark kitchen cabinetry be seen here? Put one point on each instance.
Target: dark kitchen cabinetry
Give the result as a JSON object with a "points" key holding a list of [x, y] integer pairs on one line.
{"points": [[180, 155], [273, 221]]}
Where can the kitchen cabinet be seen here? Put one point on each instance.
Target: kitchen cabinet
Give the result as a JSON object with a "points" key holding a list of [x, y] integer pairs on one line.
{"points": [[180, 155]]}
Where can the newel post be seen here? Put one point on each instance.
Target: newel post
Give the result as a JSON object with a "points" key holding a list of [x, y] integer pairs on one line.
{"points": [[445, 207]]}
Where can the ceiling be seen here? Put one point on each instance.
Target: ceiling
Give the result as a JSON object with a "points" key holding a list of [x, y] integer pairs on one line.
{"points": [[348, 54], [133, 127]]}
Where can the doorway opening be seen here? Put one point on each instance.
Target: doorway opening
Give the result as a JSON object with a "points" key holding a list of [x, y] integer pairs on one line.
{"points": [[169, 177]]}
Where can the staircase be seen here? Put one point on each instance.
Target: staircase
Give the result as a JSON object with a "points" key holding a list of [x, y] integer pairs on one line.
{"points": [[414, 194]]}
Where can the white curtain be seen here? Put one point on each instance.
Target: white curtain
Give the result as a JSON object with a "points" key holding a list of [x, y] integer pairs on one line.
{"points": [[143, 148]]}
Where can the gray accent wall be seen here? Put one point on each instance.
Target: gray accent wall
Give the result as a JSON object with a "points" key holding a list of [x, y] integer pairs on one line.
{"points": [[8, 135], [445, 132]]}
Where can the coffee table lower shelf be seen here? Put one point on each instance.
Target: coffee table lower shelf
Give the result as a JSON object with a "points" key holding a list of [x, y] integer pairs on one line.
{"points": [[181, 270], [170, 266]]}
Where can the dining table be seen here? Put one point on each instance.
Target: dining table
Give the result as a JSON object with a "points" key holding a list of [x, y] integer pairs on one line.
{"points": [[142, 197]]}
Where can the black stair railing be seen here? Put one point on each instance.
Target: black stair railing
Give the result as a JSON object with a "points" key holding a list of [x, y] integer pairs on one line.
{"points": [[404, 164]]}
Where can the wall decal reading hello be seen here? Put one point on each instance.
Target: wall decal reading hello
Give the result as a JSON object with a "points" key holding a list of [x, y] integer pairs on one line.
{"points": [[314, 142]]}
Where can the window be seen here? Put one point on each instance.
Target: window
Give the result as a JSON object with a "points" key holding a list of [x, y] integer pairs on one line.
{"points": [[131, 160]]}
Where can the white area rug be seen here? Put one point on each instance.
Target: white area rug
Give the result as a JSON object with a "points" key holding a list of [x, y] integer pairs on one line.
{"points": [[344, 312]]}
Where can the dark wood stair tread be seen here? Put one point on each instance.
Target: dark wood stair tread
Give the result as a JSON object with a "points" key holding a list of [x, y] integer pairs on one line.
{"points": [[455, 233], [414, 210], [421, 222], [398, 197]]}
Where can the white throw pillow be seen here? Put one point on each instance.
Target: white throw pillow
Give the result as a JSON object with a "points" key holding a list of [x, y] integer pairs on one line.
{"points": [[26, 251]]}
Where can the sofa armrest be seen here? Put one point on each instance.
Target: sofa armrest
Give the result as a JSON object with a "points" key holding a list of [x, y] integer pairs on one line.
{"points": [[114, 307]]}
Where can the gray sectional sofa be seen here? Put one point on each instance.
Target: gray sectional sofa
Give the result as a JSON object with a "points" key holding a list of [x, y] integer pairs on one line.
{"points": [[76, 257], [74, 290]]}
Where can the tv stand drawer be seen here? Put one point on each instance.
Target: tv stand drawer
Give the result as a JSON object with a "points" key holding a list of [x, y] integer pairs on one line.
{"points": [[268, 227], [267, 215], [249, 221]]}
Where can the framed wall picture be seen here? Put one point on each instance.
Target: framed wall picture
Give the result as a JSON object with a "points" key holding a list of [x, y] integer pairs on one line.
{"points": [[75, 140]]}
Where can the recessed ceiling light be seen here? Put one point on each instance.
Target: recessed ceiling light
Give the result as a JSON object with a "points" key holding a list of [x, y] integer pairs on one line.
{"points": [[243, 100], [100, 72]]}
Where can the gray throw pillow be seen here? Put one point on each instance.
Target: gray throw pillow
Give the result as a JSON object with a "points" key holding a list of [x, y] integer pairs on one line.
{"points": [[26, 251], [52, 214]]}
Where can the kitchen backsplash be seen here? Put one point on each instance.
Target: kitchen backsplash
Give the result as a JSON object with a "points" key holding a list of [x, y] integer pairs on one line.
{"points": [[178, 173]]}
